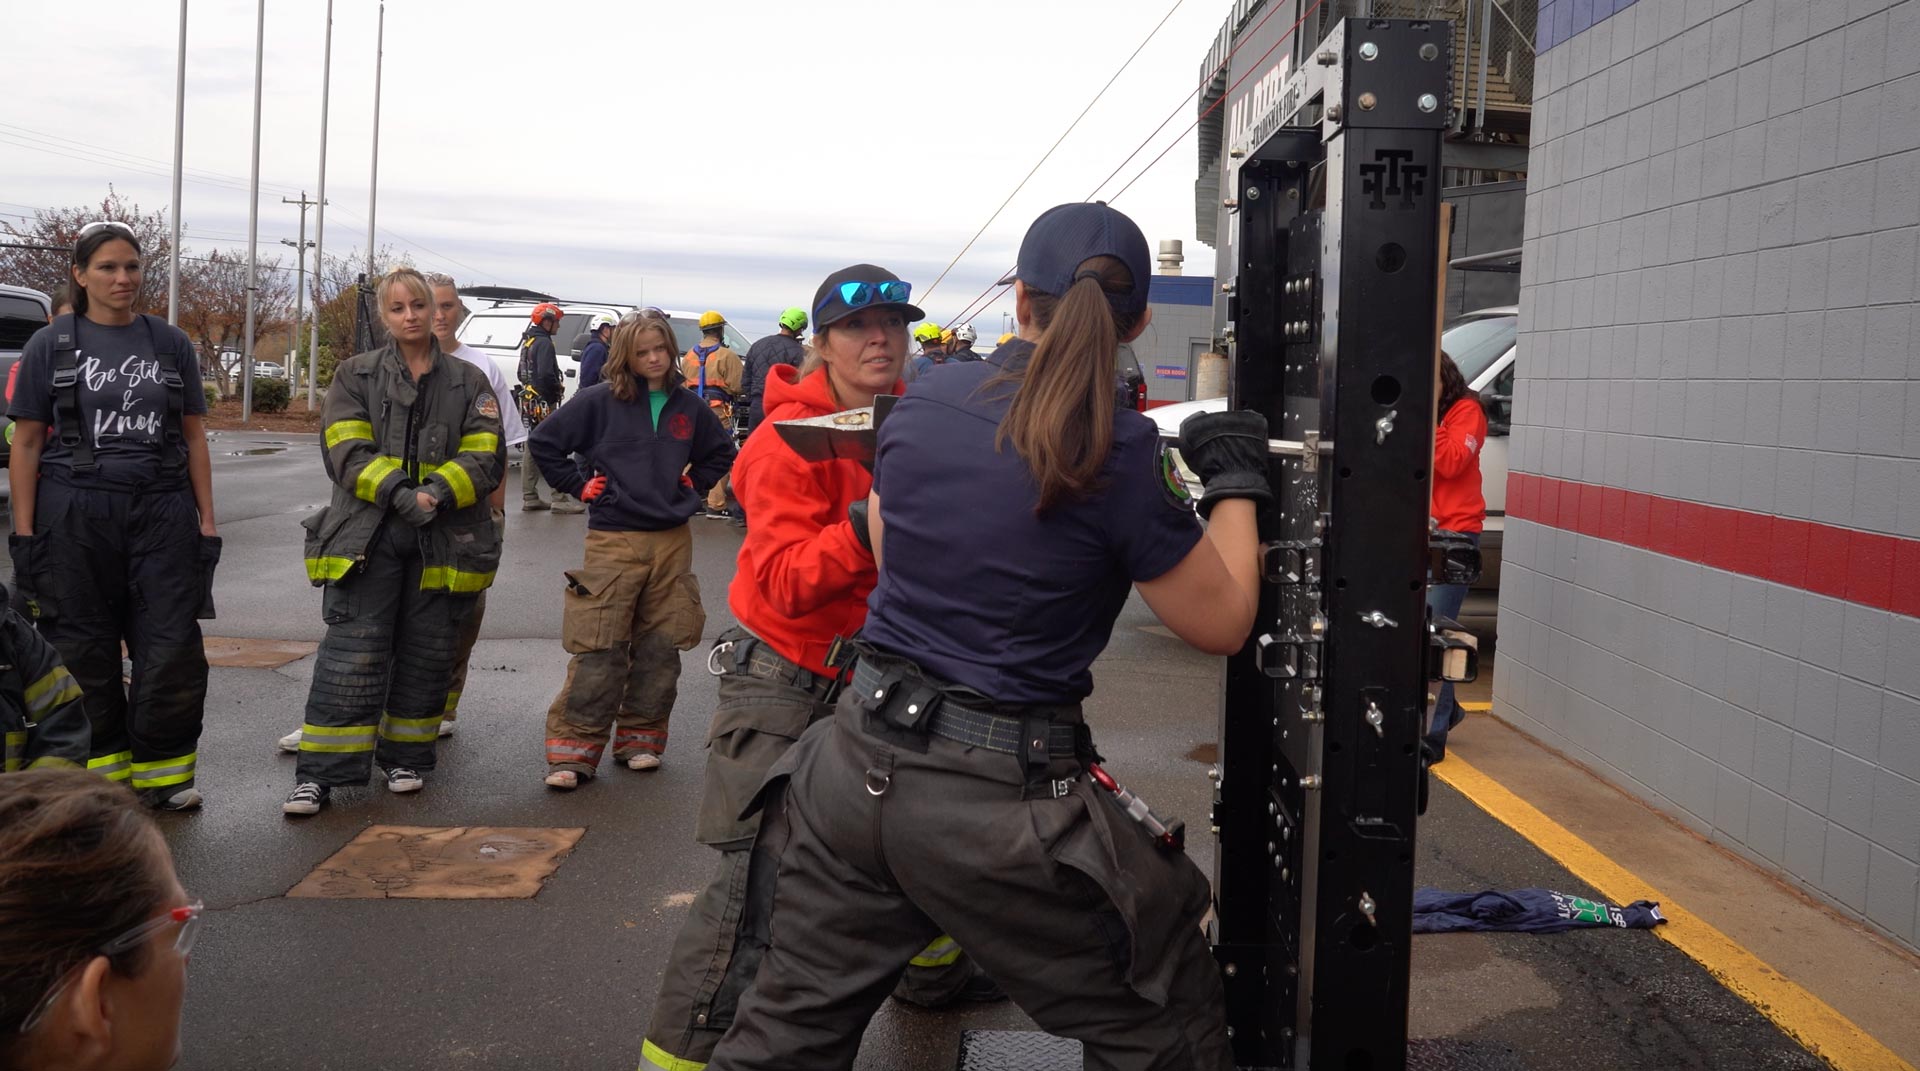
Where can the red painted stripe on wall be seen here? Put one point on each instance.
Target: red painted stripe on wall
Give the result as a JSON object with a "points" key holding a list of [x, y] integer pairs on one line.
{"points": [[1869, 568]]}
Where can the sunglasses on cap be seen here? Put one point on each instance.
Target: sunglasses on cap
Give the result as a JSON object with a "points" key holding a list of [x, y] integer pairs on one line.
{"points": [[856, 295], [186, 917], [105, 225]]}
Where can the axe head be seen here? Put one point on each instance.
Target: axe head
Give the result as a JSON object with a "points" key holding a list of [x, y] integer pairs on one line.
{"points": [[849, 435]]}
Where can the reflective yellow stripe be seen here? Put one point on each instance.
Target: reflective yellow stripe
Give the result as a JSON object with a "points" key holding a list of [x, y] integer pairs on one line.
{"points": [[485, 442], [336, 739], [163, 772], [46, 762], [367, 487], [447, 578], [655, 1058], [941, 953], [114, 767], [453, 702], [461, 483], [319, 569], [50, 691], [341, 431], [16, 749], [410, 730]]}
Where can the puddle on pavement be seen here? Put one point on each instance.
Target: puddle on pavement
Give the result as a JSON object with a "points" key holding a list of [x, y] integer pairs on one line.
{"points": [[257, 451], [1208, 752], [235, 653], [440, 863]]}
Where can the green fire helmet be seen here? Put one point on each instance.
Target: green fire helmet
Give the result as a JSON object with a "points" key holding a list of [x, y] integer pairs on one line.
{"points": [[794, 319]]}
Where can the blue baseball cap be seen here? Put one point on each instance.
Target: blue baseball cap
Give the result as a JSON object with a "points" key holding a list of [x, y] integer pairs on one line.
{"points": [[1066, 236]]}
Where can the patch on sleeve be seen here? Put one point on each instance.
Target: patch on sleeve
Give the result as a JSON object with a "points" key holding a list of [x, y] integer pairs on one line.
{"points": [[1171, 478], [487, 405]]}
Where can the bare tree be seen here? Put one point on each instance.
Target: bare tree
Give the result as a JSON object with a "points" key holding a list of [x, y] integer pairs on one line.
{"points": [[213, 308], [47, 268]]}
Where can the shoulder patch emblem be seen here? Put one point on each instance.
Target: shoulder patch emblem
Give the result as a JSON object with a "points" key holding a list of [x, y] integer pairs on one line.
{"points": [[487, 405], [1171, 480], [680, 427]]}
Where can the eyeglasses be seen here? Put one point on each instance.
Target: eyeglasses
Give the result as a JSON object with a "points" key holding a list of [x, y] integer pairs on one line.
{"points": [[855, 295], [187, 918], [106, 225]]}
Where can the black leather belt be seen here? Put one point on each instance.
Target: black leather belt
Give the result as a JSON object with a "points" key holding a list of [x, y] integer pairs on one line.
{"points": [[963, 724]]}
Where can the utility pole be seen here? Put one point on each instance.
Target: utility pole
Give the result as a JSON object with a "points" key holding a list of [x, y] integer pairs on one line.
{"points": [[300, 271], [179, 147], [320, 218], [373, 183], [253, 214]]}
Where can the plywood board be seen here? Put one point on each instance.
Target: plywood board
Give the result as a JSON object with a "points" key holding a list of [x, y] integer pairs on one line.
{"points": [[440, 863]]}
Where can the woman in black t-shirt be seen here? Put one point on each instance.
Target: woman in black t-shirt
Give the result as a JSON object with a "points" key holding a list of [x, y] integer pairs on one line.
{"points": [[113, 530]]}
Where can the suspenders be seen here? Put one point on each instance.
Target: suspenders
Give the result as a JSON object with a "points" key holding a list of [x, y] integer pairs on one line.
{"points": [[72, 427]]}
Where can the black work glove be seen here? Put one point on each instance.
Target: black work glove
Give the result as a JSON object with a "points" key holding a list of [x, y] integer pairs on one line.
{"points": [[857, 516], [1228, 451], [406, 505]]}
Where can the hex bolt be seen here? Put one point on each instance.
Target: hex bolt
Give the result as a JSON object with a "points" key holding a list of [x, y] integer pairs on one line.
{"points": [[1230, 203], [1327, 57], [1379, 620], [1428, 102], [1273, 808], [1231, 970], [1368, 101], [1235, 154], [1253, 193], [1310, 781], [1333, 113], [1369, 51], [1429, 52]]}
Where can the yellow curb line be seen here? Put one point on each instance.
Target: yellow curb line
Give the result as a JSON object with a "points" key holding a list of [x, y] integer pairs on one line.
{"points": [[1799, 1014]]}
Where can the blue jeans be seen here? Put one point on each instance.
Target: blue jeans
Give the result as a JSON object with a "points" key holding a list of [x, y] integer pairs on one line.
{"points": [[1446, 600]]}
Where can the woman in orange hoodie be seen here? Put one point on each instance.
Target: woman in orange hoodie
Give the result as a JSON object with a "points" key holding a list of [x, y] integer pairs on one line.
{"points": [[802, 579], [1459, 507]]}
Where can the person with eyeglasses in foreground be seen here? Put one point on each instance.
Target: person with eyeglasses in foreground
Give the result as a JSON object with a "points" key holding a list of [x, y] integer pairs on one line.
{"points": [[411, 440], [954, 790], [95, 929], [114, 540], [653, 449], [802, 580]]}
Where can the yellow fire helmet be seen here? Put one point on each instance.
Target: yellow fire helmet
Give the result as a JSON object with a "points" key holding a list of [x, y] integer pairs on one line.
{"points": [[711, 318]]}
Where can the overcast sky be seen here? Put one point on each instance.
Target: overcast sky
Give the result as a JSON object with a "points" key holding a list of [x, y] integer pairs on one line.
{"points": [[685, 154]]}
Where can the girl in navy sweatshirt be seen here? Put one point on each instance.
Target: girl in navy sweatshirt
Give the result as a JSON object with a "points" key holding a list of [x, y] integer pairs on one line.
{"points": [[654, 450]]}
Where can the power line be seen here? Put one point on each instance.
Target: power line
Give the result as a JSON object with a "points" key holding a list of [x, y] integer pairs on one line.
{"points": [[1209, 110], [85, 152], [1056, 144]]}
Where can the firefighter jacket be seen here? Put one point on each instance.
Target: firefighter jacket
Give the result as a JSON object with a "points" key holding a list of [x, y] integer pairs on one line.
{"points": [[715, 373], [40, 710], [386, 437]]}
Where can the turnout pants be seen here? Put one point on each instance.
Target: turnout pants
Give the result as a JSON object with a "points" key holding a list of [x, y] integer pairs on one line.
{"points": [[469, 635], [881, 843], [380, 681], [105, 567], [631, 609], [761, 712]]}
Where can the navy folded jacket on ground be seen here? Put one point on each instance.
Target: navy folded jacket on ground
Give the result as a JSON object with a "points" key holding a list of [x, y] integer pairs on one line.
{"points": [[1525, 911]]}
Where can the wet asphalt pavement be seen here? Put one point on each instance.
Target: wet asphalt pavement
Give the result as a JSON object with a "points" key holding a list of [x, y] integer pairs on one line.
{"points": [[568, 978]]}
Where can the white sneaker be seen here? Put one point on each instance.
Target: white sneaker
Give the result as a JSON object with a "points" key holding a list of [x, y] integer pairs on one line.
{"points": [[402, 779], [446, 727], [645, 760], [290, 743], [187, 799]]}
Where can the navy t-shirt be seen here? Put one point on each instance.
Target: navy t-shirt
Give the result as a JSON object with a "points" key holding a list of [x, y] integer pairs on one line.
{"points": [[122, 398], [977, 588]]}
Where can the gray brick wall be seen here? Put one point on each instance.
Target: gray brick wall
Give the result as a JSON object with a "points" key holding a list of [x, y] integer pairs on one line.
{"points": [[1719, 305]]}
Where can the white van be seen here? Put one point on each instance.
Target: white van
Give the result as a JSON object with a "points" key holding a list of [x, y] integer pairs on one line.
{"points": [[494, 326]]}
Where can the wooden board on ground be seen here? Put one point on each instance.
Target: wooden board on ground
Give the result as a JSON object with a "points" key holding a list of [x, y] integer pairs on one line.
{"points": [[231, 653], [440, 863]]}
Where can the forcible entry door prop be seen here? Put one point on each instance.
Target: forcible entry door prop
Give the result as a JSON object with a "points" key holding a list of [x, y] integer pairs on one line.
{"points": [[1333, 336]]}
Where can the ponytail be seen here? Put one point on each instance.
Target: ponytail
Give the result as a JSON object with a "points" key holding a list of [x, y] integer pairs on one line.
{"points": [[1061, 418]]}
